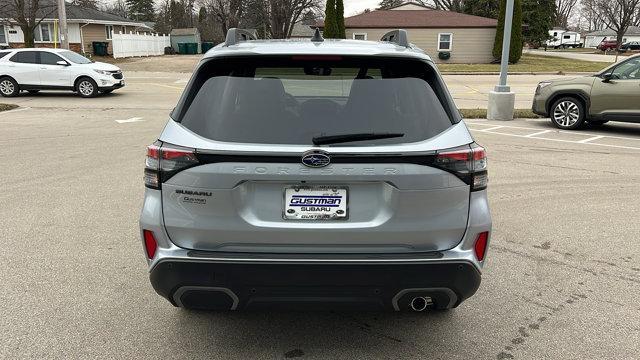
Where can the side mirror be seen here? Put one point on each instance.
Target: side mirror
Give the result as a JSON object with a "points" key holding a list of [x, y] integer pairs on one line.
{"points": [[607, 77], [62, 62]]}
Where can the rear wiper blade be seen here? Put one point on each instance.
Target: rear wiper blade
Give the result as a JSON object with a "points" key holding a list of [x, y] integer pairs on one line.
{"points": [[336, 139]]}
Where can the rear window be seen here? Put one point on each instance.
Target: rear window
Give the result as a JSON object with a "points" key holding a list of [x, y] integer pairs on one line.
{"points": [[292, 100], [4, 53], [25, 57]]}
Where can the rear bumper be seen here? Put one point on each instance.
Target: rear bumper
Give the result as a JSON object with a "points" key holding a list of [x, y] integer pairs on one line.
{"points": [[236, 285]]}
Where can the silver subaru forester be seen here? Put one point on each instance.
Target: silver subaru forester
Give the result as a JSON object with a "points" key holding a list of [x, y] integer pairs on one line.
{"points": [[315, 174]]}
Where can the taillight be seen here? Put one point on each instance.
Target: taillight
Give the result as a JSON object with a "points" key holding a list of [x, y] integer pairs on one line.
{"points": [[164, 161], [469, 163], [480, 247], [150, 243]]}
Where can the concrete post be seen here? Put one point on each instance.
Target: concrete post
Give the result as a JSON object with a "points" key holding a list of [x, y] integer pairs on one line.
{"points": [[502, 99], [64, 32]]}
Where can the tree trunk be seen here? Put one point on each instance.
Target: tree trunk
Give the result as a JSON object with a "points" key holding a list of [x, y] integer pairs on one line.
{"points": [[28, 32]]}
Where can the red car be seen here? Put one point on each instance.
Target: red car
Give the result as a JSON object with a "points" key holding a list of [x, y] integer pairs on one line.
{"points": [[607, 45]]}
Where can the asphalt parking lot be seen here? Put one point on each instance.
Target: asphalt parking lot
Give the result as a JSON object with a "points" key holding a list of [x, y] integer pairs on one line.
{"points": [[562, 281]]}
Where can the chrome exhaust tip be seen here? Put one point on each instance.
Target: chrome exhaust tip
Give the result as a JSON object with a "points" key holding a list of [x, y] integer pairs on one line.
{"points": [[420, 303]]}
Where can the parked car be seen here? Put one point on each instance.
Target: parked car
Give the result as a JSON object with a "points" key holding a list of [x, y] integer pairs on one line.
{"points": [[632, 45], [610, 95], [38, 69], [326, 173], [607, 45]]}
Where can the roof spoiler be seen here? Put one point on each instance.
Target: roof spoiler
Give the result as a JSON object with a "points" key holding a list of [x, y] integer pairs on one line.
{"points": [[234, 36], [398, 36]]}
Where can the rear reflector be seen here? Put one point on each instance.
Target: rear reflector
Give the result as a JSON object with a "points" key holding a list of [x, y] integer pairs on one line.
{"points": [[480, 247], [150, 243]]}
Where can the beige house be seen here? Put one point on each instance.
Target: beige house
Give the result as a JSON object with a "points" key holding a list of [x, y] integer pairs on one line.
{"points": [[460, 37], [84, 27]]}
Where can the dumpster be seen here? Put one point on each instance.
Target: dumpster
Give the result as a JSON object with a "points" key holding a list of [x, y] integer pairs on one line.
{"points": [[206, 46], [100, 48], [182, 48], [192, 48]]}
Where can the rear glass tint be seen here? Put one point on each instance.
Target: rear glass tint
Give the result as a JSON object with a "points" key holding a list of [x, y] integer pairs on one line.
{"points": [[289, 101]]}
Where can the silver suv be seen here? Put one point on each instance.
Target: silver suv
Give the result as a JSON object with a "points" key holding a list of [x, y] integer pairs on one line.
{"points": [[315, 173]]}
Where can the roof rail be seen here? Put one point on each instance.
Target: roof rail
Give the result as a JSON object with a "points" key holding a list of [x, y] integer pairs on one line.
{"points": [[234, 36], [398, 36]]}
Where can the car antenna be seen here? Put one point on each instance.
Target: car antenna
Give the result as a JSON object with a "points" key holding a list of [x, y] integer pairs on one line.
{"points": [[317, 37]]}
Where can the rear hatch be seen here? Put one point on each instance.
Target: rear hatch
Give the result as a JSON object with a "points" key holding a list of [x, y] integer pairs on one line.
{"points": [[316, 156]]}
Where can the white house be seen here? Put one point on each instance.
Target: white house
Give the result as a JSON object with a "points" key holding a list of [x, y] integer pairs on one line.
{"points": [[593, 39]]}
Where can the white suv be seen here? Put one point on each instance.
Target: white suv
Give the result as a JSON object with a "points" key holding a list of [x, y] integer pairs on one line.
{"points": [[55, 69]]}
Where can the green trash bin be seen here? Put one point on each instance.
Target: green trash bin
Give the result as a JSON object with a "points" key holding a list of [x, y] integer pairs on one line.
{"points": [[182, 48], [192, 48], [206, 46], [100, 48]]}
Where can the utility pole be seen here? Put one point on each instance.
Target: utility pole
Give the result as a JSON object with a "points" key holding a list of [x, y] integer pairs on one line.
{"points": [[64, 32], [502, 99]]}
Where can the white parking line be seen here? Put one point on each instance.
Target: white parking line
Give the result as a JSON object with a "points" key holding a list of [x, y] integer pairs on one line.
{"points": [[590, 139], [538, 133], [493, 128], [562, 140], [130, 120]]}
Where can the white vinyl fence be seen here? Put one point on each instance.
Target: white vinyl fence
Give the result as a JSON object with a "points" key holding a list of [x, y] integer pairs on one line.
{"points": [[129, 45]]}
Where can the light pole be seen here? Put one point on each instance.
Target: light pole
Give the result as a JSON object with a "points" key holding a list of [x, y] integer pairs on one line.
{"points": [[502, 99], [64, 32]]}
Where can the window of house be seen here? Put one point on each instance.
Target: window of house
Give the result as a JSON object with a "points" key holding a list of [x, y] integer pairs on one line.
{"points": [[567, 37], [3, 35], [109, 31], [123, 29], [43, 33], [445, 41], [359, 36]]}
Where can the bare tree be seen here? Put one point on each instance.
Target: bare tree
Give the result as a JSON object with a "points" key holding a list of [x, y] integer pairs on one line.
{"points": [[450, 5], [118, 7], [283, 14], [226, 12], [564, 10], [618, 15], [27, 14], [591, 14]]}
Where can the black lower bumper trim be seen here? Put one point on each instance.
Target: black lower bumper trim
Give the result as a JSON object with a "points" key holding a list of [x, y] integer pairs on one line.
{"points": [[231, 286]]}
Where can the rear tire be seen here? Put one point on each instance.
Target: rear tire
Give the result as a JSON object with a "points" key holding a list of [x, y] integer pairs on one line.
{"points": [[9, 87], [87, 88], [567, 113]]}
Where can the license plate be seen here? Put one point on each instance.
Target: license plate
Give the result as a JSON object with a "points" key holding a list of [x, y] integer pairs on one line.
{"points": [[315, 203]]}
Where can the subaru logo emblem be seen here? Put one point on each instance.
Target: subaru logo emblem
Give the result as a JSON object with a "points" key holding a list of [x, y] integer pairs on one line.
{"points": [[315, 159]]}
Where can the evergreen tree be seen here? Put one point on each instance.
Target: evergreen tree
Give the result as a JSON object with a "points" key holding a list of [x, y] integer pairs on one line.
{"points": [[515, 50], [340, 19], [538, 15], [141, 10], [485, 8], [330, 23]]}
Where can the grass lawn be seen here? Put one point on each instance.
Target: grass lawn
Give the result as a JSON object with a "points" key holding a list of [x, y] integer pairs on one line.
{"points": [[482, 114], [529, 64], [5, 107]]}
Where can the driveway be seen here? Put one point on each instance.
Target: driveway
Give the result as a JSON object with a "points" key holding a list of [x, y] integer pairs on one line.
{"points": [[576, 55], [562, 280]]}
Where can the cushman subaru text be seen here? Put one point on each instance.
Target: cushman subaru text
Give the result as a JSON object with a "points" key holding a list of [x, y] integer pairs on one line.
{"points": [[315, 174]]}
